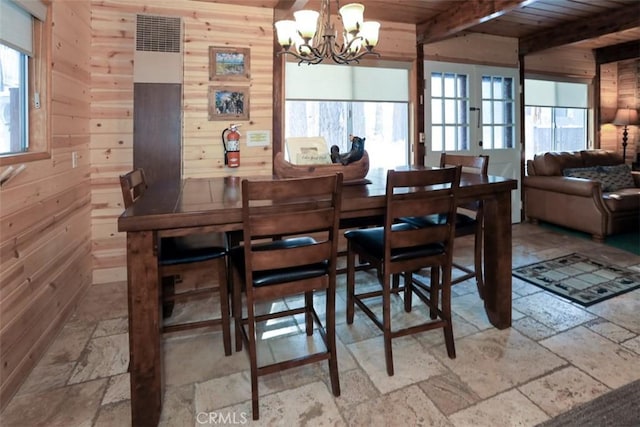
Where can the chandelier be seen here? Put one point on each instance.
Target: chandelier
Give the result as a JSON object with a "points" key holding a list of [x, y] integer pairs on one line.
{"points": [[302, 39]]}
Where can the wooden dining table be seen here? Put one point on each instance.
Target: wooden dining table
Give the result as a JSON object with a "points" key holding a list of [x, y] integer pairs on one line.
{"points": [[196, 205]]}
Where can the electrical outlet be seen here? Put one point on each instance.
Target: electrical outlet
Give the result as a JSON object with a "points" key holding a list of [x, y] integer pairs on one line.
{"points": [[74, 159]]}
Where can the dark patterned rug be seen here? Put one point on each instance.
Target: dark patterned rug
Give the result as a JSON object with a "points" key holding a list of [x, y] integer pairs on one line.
{"points": [[580, 278], [618, 408]]}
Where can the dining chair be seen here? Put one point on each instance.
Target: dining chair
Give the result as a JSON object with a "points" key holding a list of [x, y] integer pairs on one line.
{"points": [[469, 218], [180, 254], [399, 248], [290, 248]]}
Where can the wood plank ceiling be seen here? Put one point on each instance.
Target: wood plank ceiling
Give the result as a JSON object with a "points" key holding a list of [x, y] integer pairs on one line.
{"points": [[538, 24]]}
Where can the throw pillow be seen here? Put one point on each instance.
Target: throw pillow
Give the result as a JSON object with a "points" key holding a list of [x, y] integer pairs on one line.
{"points": [[616, 177], [584, 173], [611, 178]]}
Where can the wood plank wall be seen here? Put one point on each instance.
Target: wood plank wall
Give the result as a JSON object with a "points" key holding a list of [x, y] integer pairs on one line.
{"points": [[619, 88], [475, 48], [608, 105], [45, 235], [629, 97], [205, 24]]}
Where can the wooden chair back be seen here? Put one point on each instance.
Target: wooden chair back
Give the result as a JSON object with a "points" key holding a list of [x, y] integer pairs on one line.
{"points": [[133, 185], [419, 193], [273, 209], [472, 164]]}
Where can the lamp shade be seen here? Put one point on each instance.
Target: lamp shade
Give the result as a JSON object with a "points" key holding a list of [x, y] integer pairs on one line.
{"points": [[286, 31], [306, 21], [626, 116], [352, 16]]}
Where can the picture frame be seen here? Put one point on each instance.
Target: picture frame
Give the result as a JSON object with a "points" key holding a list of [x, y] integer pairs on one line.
{"points": [[228, 103], [229, 63]]}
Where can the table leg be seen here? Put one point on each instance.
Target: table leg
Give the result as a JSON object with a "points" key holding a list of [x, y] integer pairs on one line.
{"points": [[497, 260], [145, 355]]}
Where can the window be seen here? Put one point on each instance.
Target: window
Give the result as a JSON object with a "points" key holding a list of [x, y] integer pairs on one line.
{"points": [[383, 124], [455, 111], [555, 117], [498, 118], [335, 101], [24, 95], [13, 101], [449, 107]]}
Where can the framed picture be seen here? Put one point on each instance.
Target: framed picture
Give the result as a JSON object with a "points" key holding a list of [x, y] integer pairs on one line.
{"points": [[227, 63], [228, 103]]}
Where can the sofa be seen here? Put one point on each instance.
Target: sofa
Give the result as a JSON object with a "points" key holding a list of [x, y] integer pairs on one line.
{"points": [[592, 191]]}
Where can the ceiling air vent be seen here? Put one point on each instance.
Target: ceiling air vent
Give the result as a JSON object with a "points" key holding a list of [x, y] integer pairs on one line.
{"points": [[158, 54]]}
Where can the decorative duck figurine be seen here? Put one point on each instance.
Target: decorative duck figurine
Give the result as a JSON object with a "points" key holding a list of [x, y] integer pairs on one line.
{"points": [[357, 150]]}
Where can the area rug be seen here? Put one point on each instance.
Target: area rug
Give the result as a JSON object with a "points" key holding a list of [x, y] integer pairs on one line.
{"points": [[618, 408], [580, 278]]}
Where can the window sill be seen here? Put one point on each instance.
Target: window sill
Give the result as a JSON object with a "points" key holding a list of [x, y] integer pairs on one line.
{"points": [[12, 159]]}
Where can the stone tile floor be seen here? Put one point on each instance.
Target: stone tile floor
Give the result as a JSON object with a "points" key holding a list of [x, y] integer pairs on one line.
{"points": [[556, 355]]}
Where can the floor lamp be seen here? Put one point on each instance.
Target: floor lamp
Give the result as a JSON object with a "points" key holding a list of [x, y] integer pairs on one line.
{"points": [[625, 117]]}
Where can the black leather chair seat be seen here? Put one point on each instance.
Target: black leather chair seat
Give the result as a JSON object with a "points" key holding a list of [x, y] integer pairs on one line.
{"points": [[282, 275], [372, 239], [465, 224], [179, 250]]}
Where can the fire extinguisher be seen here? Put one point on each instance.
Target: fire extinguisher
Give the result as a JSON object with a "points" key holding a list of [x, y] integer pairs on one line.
{"points": [[231, 144]]}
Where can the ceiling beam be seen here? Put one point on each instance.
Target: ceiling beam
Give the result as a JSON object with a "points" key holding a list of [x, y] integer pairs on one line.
{"points": [[464, 16], [285, 8], [581, 29], [618, 52]]}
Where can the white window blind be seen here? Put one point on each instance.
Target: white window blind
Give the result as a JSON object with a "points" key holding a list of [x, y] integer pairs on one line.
{"points": [[16, 23], [346, 83], [555, 94]]}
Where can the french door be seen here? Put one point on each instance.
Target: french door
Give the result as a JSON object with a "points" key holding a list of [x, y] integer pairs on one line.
{"points": [[474, 110]]}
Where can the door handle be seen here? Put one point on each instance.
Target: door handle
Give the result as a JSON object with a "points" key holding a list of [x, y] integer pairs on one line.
{"points": [[478, 110]]}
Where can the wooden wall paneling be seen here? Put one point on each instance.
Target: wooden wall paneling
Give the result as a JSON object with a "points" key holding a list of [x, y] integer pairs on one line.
{"points": [[608, 105], [475, 48], [629, 97], [202, 143], [567, 61], [26, 225], [33, 328], [45, 235], [34, 276]]}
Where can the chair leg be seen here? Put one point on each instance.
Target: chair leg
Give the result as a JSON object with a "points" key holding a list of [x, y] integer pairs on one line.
{"points": [[330, 311], [223, 286], [351, 278], [434, 291], [237, 307], [386, 324], [308, 312], [253, 358], [168, 288], [408, 290], [477, 257], [396, 281], [446, 313]]}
